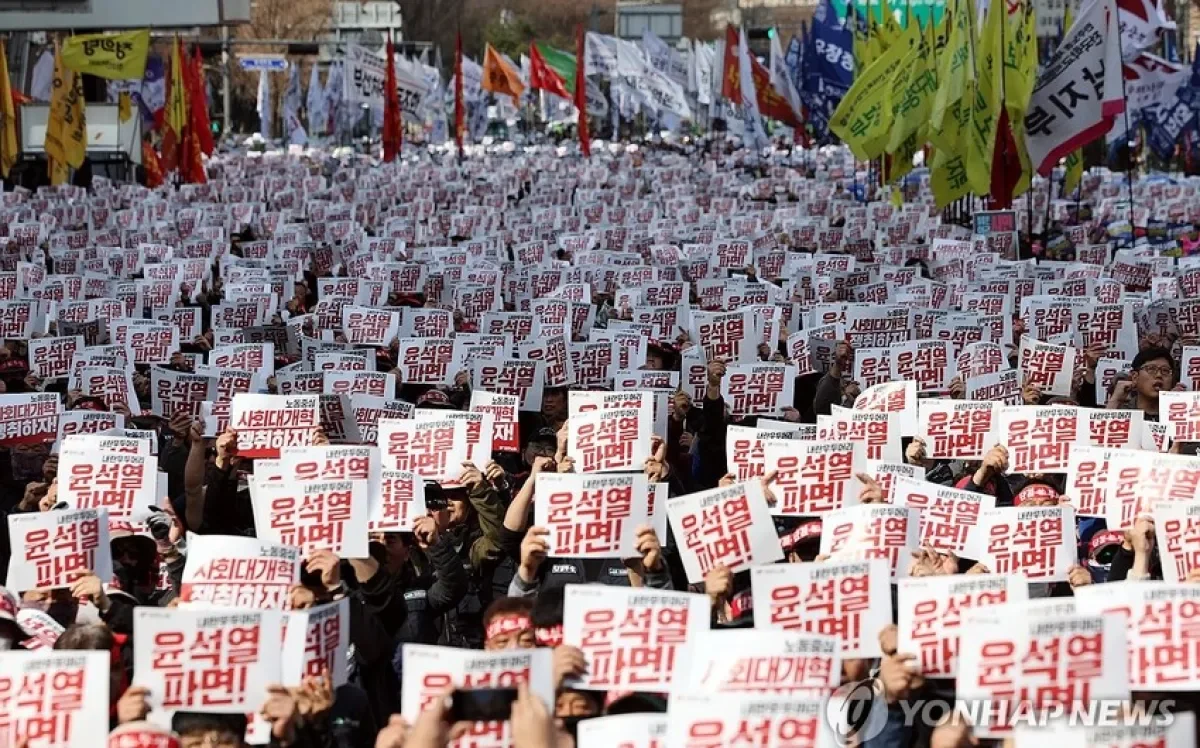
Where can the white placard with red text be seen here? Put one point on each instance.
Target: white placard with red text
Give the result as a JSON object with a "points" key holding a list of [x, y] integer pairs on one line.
{"points": [[948, 516], [1137, 481], [54, 698], [930, 614], [851, 600], [1181, 411], [813, 478], [1177, 532], [53, 549], [1035, 541], [316, 642], [764, 661], [229, 571], [609, 440], [892, 397], [591, 516], [506, 436], [632, 638], [431, 449], [265, 424], [479, 431], [773, 719], [758, 389], [1114, 429], [319, 515], [1039, 438], [209, 661], [125, 485], [730, 526], [870, 531], [1047, 366], [50, 358], [1065, 660], [28, 418], [957, 429]]}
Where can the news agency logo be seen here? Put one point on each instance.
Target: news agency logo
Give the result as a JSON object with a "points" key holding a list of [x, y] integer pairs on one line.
{"points": [[857, 712]]}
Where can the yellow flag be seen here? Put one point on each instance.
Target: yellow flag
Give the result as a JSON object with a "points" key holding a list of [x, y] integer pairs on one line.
{"points": [[862, 119], [1020, 77], [8, 117], [112, 56], [948, 178], [1075, 160], [985, 109], [956, 76], [903, 154], [124, 106], [66, 130], [910, 95]]}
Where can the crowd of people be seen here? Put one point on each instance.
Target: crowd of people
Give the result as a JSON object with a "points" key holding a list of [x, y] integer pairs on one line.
{"points": [[476, 567]]}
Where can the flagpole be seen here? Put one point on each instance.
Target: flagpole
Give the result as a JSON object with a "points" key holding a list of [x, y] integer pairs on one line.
{"points": [[1128, 147]]}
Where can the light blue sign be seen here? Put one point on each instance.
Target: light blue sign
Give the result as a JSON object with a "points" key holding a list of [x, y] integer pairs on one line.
{"points": [[270, 64]]}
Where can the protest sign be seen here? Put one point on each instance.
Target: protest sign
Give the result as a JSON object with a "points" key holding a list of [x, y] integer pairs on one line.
{"points": [[425, 360], [50, 358], [1048, 367], [431, 449], [1039, 438], [1001, 661], [265, 424], [1036, 542], [609, 440], [55, 548], [632, 638], [948, 516], [206, 661], [730, 526], [87, 422], [503, 409], [760, 661], [813, 477], [1160, 618], [375, 383], [316, 644], [256, 357], [1181, 411], [123, 484], [54, 698], [930, 614], [850, 600], [1137, 481], [877, 432], [591, 516], [637, 730], [1179, 733], [928, 363], [956, 429], [315, 515], [480, 427], [899, 398], [871, 531], [367, 410], [1087, 480], [174, 392], [1177, 532], [430, 671], [724, 336], [366, 326], [719, 719], [758, 389], [1114, 429], [886, 474], [1002, 387], [399, 501], [226, 571], [28, 418], [525, 379]]}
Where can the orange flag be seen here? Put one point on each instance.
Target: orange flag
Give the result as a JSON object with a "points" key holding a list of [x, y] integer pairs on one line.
{"points": [[175, 114], [499, 77]]}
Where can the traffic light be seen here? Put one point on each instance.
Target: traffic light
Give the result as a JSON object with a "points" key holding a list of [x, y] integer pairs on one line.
{"points": [[759, 33], [771, 33]]}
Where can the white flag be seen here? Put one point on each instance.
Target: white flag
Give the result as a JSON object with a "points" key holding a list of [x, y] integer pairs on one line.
{"points": [[1078, 93], [702, 62], [755, 136], [601, 56], [1142, 22], [264, 104], [780, 78], [333, 97], [318, 117], [1149, 82], [291, 109]]}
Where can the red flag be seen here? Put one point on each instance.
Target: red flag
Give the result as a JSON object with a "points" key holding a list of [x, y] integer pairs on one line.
{"points": [[154, 172], [731, 80], [541, 77], [175, 113], [199, 101], [770, 102], [459, 114], [393, 127], [1006, 164], [585, 138], [191, 160]]}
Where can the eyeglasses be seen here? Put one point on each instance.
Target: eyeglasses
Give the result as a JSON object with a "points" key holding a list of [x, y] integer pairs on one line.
{"points": [[211, 740], [1156, 370]]}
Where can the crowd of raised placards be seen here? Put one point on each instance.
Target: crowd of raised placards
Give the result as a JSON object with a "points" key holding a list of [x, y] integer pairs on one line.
{"points": [[664, 449]]}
